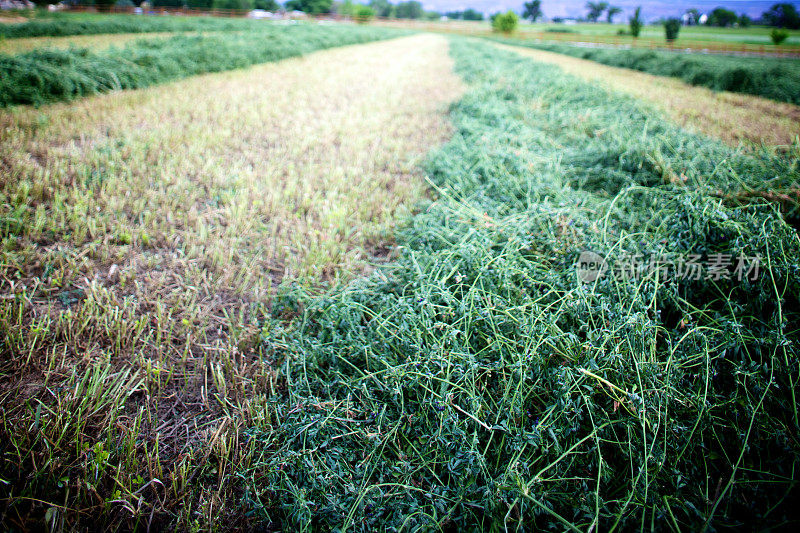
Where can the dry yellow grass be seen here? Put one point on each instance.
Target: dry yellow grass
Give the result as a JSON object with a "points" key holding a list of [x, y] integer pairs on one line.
{"points": [[93, 42], [13, 19], [145, 230], [732, 117], [293, 167]]}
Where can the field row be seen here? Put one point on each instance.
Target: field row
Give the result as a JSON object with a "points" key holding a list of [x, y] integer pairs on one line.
{"points": [[231, 301], [144, 234], [774, 78], [733, 117], [48, 69], [733, 41], [481, 382], [45, 75], [66, 24], [91, 42], [63, 24], [756, 35], [37, 75]]}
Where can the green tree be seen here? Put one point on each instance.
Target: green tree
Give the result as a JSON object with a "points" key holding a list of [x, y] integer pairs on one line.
{"points": [[505, 22], [778, 36], [745, 21], [672, 27], [233, 4], [346, 8], [382, 8], [202, 4], [312, 7], [722, 17], [595, 10], [103, 5], [533, 10], [409, 10], [636, 22], [612, 11], [471, 14], [164, 3], [782, 16], [363, 14]]}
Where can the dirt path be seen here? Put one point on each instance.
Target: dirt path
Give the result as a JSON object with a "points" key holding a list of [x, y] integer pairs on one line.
{"points": [[732, 117]]}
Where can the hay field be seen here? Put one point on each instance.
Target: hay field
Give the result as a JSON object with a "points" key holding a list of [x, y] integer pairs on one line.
{"points": [[426, 283], [732, 117], [145, 232]]}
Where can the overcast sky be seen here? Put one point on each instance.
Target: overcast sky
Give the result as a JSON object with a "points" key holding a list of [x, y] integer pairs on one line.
{"points": [[651, 9]]}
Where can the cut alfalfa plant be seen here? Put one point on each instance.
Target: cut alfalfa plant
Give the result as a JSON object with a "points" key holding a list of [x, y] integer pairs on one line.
{"points": [[45, 75], [64, 24], [479, 383]]}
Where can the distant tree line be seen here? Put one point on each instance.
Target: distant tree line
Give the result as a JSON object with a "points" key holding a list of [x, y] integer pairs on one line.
{"points": [[267, 5], [380, 8], [596, 10], [782, 15], [467, 14], [411, 9], [402, 10]]}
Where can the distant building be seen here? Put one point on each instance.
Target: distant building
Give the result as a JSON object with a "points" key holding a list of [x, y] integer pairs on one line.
{"points": [[260, 14]]}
